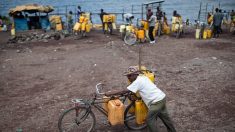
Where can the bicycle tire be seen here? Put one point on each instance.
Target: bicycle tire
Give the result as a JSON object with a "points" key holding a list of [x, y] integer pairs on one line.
{"points": [[84, 121], [130, 119], [122, 35], [130, 38], [110, 28], [159, 31], [79, 34], [178, 33]]}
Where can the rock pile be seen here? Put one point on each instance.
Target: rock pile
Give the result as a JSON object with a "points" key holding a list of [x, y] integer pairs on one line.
{"points": [[38, 37]]}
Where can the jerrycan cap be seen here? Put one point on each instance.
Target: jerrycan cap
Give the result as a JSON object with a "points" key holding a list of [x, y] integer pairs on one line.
{"points": [[117, 103]]}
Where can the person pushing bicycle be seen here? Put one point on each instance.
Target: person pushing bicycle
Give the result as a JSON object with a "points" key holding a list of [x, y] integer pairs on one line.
{"points": [[153, 97]]}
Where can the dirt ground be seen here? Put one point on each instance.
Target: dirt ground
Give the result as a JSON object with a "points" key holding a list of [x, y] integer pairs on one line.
{"points": [[38, 80]]}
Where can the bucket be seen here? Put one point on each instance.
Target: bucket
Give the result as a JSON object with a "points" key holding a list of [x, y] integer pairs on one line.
{"points": [[141, 111], [122, 28], [197, 34], [115, 112], [77, 26], [141, 34], [205, 34], [209, 33], [59, 27]]}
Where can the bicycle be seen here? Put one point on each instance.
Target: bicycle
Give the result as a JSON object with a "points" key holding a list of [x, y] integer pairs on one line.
{"points": [[158, 28], [177, 26], [109, 22], [132, 34], [82, 26], [108, 28], [83, 119]]}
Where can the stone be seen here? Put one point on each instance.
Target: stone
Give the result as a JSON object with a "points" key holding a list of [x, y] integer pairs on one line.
{"points": [[45, 40]]}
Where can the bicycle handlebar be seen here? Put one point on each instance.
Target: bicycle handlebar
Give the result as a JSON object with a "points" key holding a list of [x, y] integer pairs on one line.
{"points": [[98, 88]]}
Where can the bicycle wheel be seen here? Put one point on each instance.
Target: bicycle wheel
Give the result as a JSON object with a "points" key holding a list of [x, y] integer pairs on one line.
{"points": [[79, 34], [130, 38], [130, 119], [178, 33], [122, 35], [77, 119], [110, 28], [159, 31]]}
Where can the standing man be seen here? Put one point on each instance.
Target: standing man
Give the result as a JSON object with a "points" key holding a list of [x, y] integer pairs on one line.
{"points": [[102, 13], [79, 12], [152, 22], [216, 23], [70, 21], [221, 20], [148, 14], [153, 97], [159, 14]]}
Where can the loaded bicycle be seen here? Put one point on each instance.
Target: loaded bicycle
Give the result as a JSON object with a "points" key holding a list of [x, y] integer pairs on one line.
{"points": [[109, 23], [177, 26], [131, 34], [83, 26], [81, 116]]}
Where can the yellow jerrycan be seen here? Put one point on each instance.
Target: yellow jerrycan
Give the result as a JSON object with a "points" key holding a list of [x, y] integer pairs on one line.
{"points": [[106, 26], [209, 33], [88, 28], [122, 28], [105, 104], [114, 25], [197, 34], [13, 31], [83, 26], [77, 26], [205, 34], [59, 27], [115, 112], [141, 111], [141, 34]]}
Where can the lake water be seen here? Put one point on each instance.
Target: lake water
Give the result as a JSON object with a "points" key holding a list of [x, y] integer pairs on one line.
{"points": [[187, 8]]}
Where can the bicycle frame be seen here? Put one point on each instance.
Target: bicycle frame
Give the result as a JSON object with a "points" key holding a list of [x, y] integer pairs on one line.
{"points": [[96, 101]]}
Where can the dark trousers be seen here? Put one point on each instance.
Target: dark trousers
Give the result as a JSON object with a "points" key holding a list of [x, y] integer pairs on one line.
{"points": [[216, 31], [156, 110], [151, 33]]}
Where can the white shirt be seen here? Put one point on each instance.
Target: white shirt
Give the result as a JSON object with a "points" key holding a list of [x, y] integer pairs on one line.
{"points": [[152, 21], [127, 15], [149, 92]]}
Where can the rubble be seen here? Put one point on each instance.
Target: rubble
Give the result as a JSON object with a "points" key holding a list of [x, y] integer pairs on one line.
{"points": [[38, 37]]}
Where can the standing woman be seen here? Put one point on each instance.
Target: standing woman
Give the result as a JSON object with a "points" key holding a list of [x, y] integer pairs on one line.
{"points": [[152, 22]]}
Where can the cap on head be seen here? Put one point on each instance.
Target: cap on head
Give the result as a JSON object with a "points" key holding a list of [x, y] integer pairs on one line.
{"points": [[132, 70]]}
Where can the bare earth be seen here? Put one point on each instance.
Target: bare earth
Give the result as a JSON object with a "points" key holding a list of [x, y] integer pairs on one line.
{"points": [[38, 80]]}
